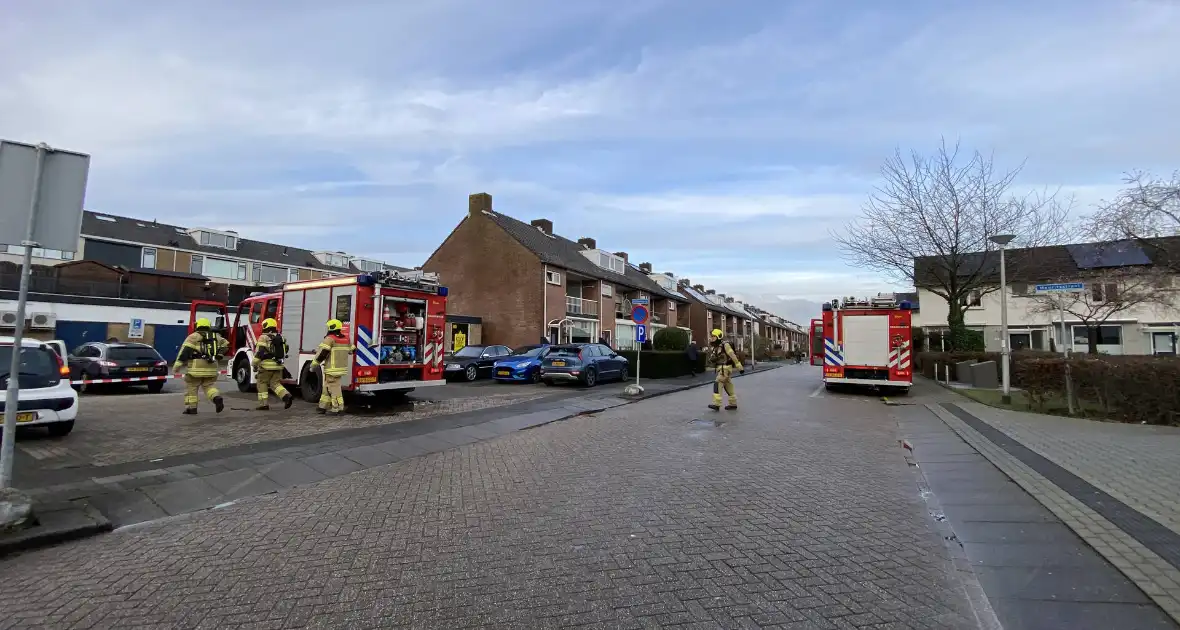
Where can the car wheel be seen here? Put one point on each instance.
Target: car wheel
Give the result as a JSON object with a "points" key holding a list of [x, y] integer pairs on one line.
{"points": [[155, 387], [548, 383], [61, 429], [242, 374], [535, 378], [309, 385], [623, 373], [471, 373], [591, 378]]}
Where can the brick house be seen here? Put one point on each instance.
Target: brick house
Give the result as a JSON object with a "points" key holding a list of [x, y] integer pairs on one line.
{"points": [[708, 310], [527, 283]]}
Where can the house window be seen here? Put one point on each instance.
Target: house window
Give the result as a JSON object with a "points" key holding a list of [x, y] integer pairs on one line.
{"points": [[293, 275], [1104, 292], [671, 305], [197, 266], [553, 277], [608, 290], [266, 274], [972, 299], [148, 260], [221, 268], [224, 241], [1107, 335]]}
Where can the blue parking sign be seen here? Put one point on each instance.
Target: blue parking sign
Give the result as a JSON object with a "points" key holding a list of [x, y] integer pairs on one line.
{"points": [[641, 333]]}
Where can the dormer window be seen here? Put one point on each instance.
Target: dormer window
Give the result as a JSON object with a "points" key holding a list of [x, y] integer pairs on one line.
{"points": [[215, 238], [606, 260], [333, 259]]}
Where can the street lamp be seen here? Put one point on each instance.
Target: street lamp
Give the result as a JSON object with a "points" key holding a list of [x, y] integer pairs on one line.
{"points": [[1005, 352]]}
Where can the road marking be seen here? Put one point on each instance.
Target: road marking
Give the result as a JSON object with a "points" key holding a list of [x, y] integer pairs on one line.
{"points": [[818, 390]]}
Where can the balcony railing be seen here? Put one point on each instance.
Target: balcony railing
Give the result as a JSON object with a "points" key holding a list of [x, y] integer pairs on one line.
{"points": [[582, 308]]}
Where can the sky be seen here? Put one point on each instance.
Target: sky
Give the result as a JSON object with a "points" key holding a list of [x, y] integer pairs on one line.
{"points": [[720, 141]]}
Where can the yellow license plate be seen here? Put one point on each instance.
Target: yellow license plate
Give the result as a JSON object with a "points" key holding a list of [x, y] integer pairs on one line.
{"points": [[559, 364], [138, 369], [26, 417], [503, 373], [366, 380]]}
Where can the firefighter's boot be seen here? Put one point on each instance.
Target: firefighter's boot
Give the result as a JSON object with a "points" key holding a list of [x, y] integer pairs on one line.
{"points": [[731, 407], [288, 400], [263, 407], [321, 410], [189, 411], [219, 403]]}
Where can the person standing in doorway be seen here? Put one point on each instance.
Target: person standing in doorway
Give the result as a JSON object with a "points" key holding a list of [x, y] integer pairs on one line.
{"points": [[693, 355]]}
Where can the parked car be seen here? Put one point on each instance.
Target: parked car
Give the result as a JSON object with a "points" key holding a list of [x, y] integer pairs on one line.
{"points": [[585, 363], [523, 365], [470, 362], [46, 398], [99, 360]]}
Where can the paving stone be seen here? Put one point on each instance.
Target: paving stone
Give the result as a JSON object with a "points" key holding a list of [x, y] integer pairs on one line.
{"points": [[367, 456], [236, 484], [331, 464], [290, 473], [180, 497]]}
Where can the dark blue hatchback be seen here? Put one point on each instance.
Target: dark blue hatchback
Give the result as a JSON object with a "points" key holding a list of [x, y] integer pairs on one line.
{"points": [[523, 365], [585, 363]]}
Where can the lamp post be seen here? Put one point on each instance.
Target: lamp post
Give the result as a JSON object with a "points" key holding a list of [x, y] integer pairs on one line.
{"points": [[1005, 351]]}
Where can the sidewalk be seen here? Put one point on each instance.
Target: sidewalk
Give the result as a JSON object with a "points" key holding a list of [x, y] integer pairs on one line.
{"points": [[136, 492], [1117, 486]]}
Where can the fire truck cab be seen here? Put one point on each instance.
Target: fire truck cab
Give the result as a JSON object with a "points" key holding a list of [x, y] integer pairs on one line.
{"points": [[867, 342], [396, 320]]}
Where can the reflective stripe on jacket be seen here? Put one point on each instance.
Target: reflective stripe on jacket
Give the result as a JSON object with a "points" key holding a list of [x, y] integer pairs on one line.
{"points": [[333, 353], [265, 348], [200, 351]]}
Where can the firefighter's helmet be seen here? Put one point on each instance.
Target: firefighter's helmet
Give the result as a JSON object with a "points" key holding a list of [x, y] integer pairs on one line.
{"points": [[203, 323], [334, 325], [717, 334], [270, 324]]}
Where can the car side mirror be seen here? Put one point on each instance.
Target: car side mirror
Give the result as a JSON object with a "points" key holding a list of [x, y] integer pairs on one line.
{"points": [[614, 356]]}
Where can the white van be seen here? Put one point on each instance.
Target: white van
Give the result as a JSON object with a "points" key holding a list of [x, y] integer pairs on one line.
{"points": [[46, 398]]}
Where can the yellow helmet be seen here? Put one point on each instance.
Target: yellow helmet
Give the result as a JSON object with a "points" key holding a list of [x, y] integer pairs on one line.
{"points": [[717, 334], [203, 323], [334, 325], [269, 324]]}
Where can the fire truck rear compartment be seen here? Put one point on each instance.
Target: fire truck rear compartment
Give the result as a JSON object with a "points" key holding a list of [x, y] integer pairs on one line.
{"points": [[872, 374], [866, 342]]}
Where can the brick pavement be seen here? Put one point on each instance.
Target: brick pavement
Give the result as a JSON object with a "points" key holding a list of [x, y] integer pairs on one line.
{"points": [[627, 519]]}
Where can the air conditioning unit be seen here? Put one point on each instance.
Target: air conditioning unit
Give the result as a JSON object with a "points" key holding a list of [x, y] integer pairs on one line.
{"points": [[43, 320], [7, 319]]}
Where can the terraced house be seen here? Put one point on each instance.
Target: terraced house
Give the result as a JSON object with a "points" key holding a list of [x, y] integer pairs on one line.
{"points": [[528, 283]]}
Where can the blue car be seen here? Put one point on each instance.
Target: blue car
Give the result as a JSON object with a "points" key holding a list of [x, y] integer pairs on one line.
{"points": [[522, 366]]}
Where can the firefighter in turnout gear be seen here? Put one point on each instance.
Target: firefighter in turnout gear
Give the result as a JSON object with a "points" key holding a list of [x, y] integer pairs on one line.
{"points": [[333, 354], [269, 353], [724, 360], [200, 353]]}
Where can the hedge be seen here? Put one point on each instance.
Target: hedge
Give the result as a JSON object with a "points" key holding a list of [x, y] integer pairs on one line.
{"points": [[1124, 388], [661, 363]]}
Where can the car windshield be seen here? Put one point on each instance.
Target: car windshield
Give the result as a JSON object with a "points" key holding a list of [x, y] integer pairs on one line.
{"points": [[469, 351], [530, 351], [131, 353], [38, 366]]}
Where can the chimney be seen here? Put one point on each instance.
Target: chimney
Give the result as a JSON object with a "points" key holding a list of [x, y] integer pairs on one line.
{"points": [[479, 202], [622, 255], [587, 242], [699, 287], [545, 225], [722, 296], [684, 282], [711, 292], [669, 274], [729, 300], [645, 267]]}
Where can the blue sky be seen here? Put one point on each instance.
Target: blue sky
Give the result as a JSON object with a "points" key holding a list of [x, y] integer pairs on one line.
{"points": [[720, 141]]}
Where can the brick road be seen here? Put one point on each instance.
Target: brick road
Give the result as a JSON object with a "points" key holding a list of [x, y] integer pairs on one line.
{"points": [[797, 512], [1137, 464]]}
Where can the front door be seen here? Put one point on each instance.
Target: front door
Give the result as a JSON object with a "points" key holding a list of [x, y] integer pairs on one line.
{"points": [[1163, 343], [1020, 341]]}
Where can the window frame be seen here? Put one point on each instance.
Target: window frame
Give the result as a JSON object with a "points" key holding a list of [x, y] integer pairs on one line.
{"points": [[553, 277], [143, 257]]}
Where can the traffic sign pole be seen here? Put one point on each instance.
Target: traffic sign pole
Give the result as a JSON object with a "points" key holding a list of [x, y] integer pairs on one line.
{"points": [[639, 315], [1060, 290]]}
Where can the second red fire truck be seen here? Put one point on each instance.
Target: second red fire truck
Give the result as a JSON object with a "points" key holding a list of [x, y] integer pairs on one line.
{"points": [[396, 320], [868, 342]]}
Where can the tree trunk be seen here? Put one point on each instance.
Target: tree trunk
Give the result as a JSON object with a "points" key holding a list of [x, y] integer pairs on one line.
{"points": [[955, 320], [1092, 339]]}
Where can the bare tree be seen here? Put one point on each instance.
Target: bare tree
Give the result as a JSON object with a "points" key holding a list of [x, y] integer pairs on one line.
{"points": [[1149, 207], [929, 221], [1109, 291]]}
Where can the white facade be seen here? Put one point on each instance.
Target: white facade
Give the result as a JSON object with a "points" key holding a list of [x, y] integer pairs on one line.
{"points": [[1138, 330]]}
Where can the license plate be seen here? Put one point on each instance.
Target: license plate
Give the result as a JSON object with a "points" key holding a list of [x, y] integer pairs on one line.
{"points": [[26, 417], [138, 369], [366, 380], [559, 364], [503, 373]]}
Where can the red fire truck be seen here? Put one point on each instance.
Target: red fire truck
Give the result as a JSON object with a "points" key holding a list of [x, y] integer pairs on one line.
{"points": [[395, 319], [867, 342], [817, 341]]}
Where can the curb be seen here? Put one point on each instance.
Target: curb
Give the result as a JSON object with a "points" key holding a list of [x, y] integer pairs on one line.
{"points": [[56, 523]]}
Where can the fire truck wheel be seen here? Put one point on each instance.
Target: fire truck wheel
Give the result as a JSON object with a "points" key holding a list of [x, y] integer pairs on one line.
{"points": [[242, 375], [309, 384]]}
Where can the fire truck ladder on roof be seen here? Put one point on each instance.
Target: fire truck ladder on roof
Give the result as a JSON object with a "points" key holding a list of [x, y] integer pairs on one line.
{"points": [[414, 279]]}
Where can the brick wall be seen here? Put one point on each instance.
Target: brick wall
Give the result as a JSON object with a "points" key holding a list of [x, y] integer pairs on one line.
{"points": [[492, 276]]}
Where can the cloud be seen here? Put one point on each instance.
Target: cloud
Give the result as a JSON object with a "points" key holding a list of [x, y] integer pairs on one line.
{"points": [[715, 143]]}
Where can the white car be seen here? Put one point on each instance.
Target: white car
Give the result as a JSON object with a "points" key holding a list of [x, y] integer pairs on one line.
{"points": [[46, 398]]}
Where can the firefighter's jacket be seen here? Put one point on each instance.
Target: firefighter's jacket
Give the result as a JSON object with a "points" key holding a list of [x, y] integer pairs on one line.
{"points": [[269, 352], [333, 353], [200, 352], [722, 354]]}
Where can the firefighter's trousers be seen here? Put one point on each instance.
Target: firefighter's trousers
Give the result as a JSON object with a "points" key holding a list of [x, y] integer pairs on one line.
{"points": [[332, 397], [270, 381], [722, 381], [194, 384]]}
